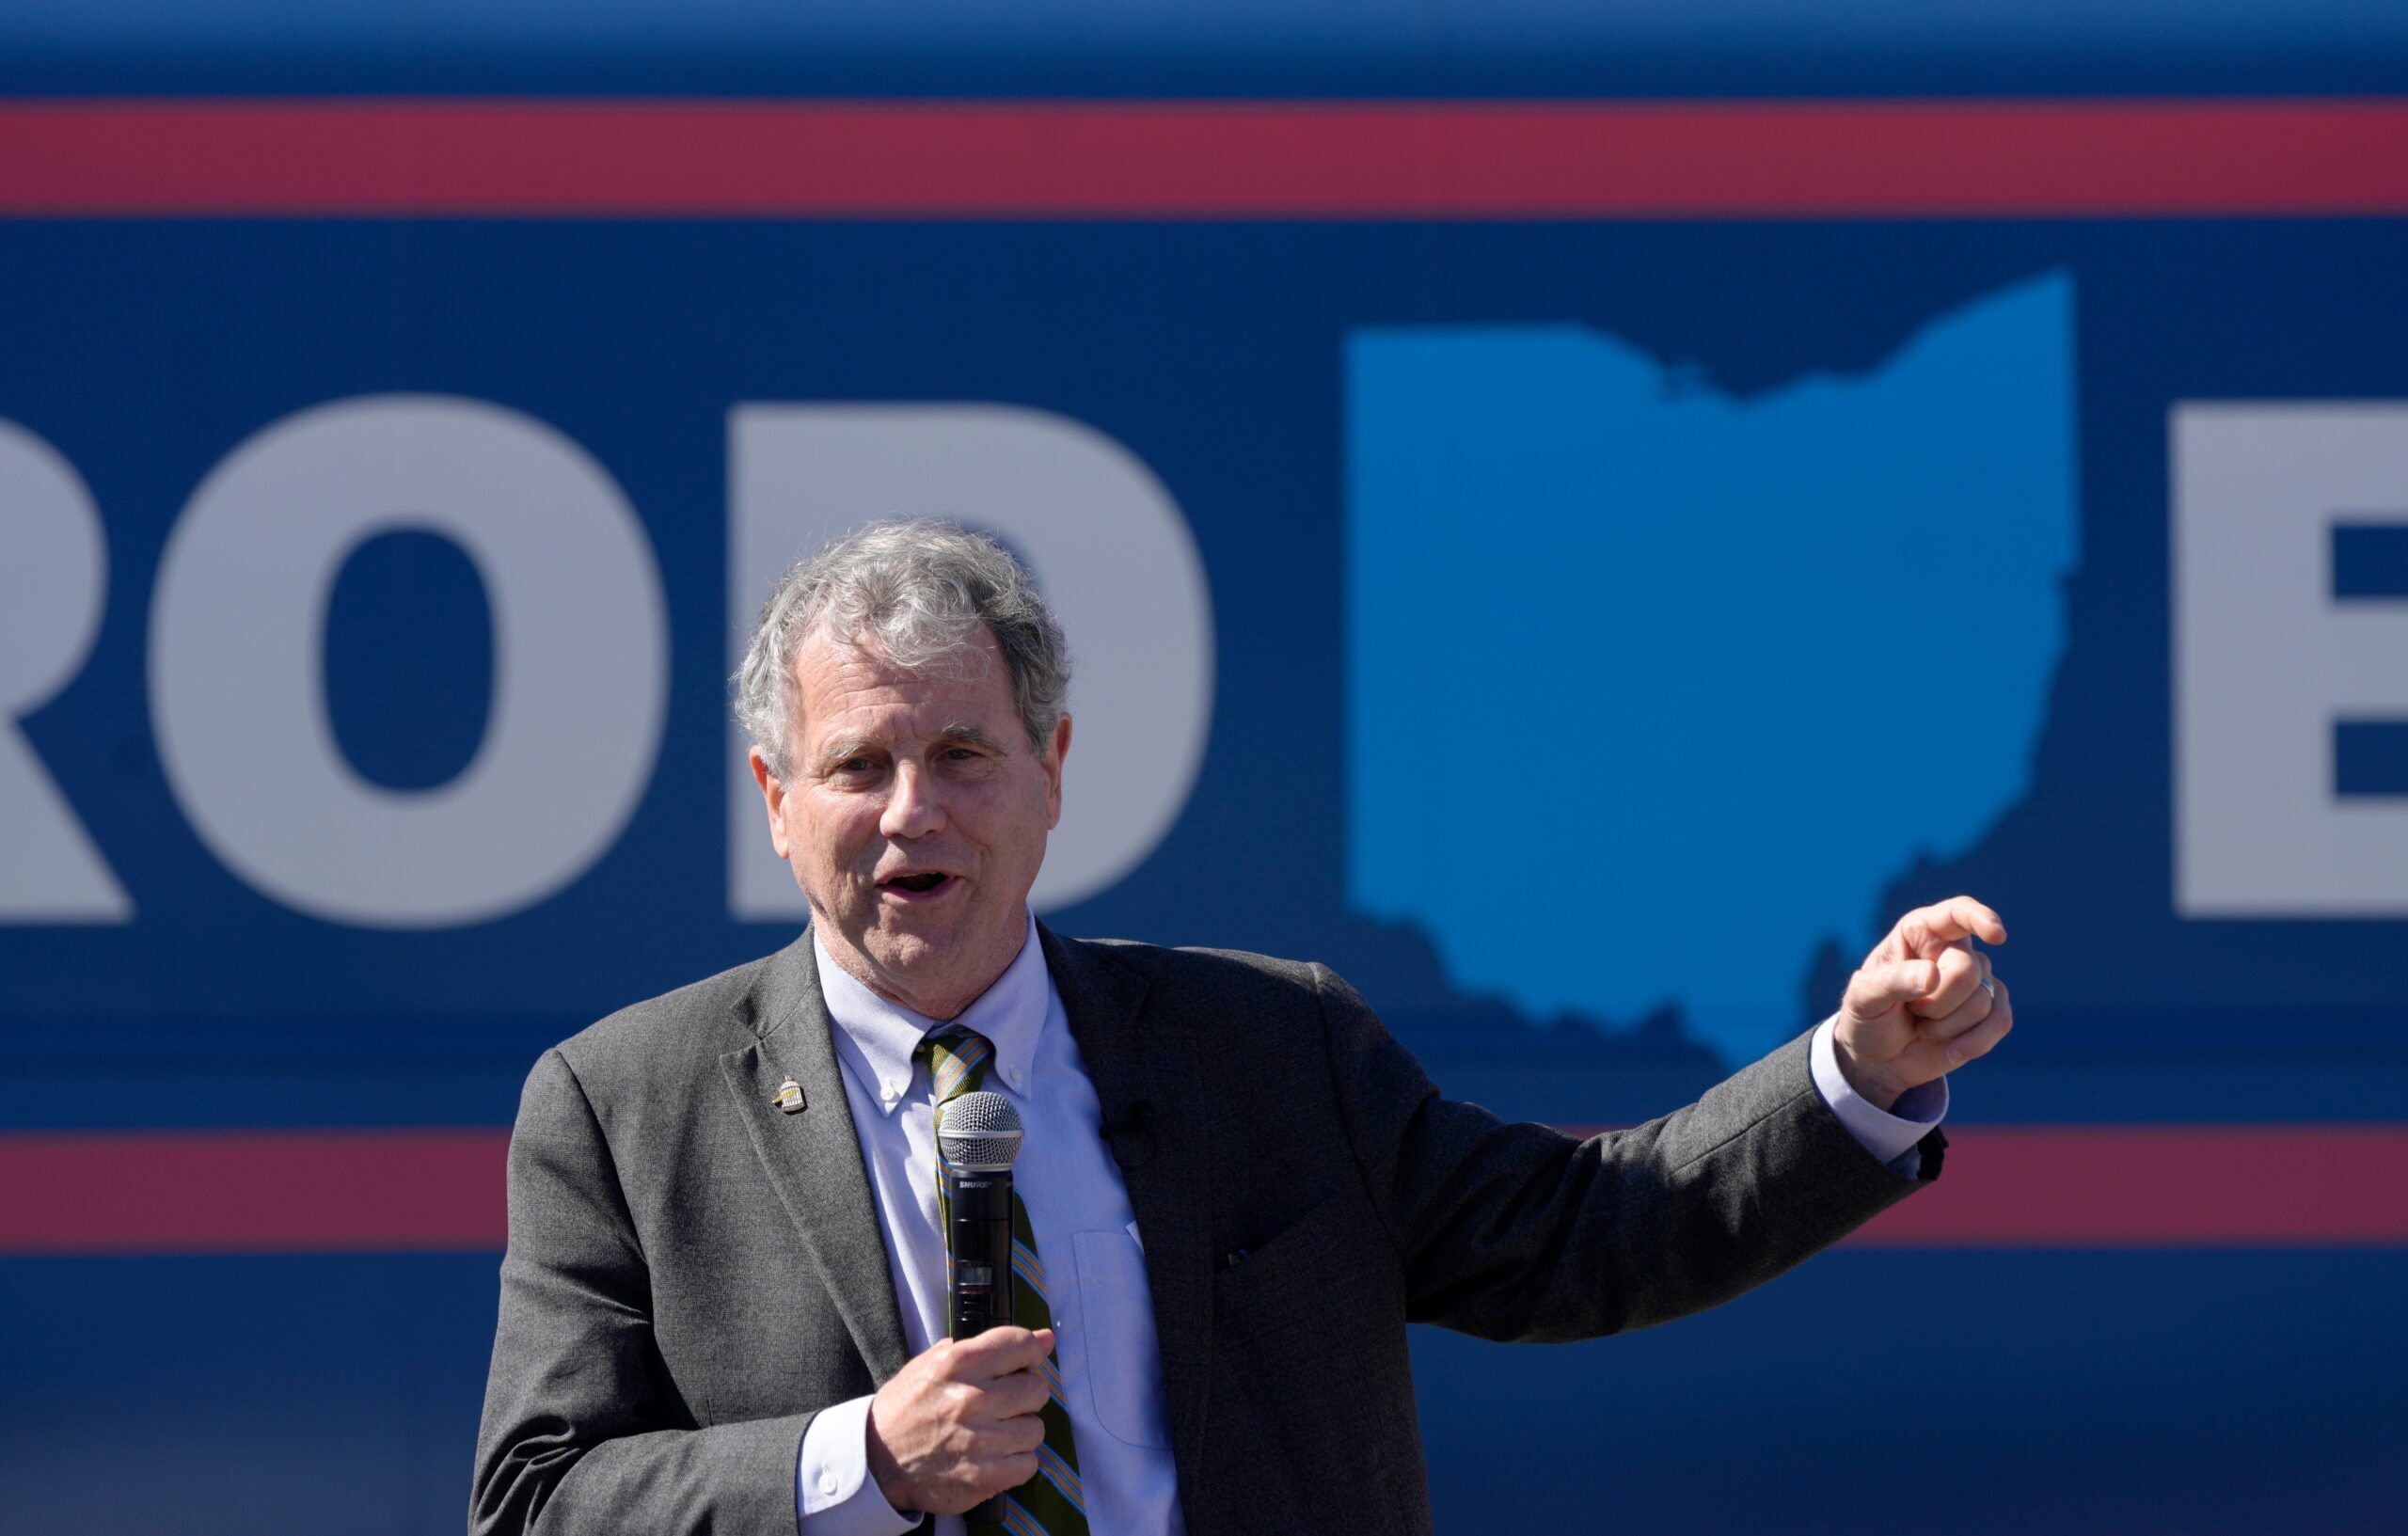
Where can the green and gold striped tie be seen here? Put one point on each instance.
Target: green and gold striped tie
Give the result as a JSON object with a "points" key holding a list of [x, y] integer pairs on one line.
{"points": [[1052, 1503]]}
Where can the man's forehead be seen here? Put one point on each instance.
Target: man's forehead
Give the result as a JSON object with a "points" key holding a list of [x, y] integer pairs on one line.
{"points": [[847, 688], [822, 648]]}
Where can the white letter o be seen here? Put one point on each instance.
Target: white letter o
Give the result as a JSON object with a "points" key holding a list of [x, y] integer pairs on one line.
{"points": [[238, 647]]}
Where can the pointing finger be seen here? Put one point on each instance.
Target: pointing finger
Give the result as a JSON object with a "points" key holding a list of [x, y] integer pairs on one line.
{"points": [[1926, 928]]}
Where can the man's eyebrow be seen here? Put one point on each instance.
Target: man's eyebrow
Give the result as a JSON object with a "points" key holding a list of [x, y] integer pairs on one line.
{"points": [[971, 736], [854, 744], [838, 749]]}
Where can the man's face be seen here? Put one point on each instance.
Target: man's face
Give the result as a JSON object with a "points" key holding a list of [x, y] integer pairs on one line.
{"points": [[914, 818]]}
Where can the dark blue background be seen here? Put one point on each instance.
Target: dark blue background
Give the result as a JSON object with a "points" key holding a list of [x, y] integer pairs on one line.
{"points": [[1364, 48]]}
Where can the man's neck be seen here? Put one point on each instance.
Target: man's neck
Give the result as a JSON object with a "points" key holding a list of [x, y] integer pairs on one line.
{"points": [[942, 1000]]}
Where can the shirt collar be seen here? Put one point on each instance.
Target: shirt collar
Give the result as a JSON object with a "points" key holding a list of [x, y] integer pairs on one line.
{"points": [[884, 1034]]}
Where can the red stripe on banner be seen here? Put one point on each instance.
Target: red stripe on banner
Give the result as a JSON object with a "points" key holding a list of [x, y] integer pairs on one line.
{"points": [[2160, 1187], [252, 1191], [1205, 159], [383, 1191], [2157, 1187]]}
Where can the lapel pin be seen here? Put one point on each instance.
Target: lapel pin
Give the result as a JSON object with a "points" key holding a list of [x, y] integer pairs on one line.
{"points": [[788, 1097]]}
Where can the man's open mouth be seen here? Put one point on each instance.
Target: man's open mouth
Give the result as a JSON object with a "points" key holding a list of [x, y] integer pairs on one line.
{"points": [[918, 885]]}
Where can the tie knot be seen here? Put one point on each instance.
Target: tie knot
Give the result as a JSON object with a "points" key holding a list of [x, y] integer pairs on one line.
{"points": [[958, 1061]]}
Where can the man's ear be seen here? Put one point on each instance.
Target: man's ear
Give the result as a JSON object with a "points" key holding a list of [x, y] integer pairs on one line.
{"points": [[773, 800], [1052, 766]]}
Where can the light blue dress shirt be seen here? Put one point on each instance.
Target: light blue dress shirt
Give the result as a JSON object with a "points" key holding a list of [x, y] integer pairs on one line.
{"points": [[1095, 1265]]}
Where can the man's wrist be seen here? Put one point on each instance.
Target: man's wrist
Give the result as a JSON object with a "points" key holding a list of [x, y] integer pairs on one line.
{"points": [[884, 1470], [1872, 1085], [1889, 1134], [835, 1494]]}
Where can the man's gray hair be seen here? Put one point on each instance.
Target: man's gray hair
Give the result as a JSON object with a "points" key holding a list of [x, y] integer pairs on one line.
{"points": [[916, 589]]}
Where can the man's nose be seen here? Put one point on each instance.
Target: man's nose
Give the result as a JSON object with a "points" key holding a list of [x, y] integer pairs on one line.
{"points": [[911, 807]]}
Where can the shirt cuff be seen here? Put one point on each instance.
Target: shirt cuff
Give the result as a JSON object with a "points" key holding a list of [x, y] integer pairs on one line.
{"points": [[833, 1493], [1889, 1134]]}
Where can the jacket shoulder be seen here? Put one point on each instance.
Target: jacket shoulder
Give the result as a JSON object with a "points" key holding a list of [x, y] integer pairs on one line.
{"points": [[1215, 976], [703, 1018]]}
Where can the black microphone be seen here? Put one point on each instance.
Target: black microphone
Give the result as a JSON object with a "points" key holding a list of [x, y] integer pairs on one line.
{"points": [[979, 1141], [978, 1144]]}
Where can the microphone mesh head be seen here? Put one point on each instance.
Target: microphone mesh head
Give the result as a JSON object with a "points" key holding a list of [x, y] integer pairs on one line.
{"points": [[981, 1134]]}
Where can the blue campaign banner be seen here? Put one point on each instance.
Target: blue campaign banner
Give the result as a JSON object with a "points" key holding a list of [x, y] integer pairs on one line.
{"points": [[1506, 608], [1828, 602]]}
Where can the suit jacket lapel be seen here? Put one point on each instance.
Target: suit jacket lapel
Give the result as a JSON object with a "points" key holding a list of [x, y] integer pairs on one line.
{"points": [[814, 1158], [1139, 1056]]}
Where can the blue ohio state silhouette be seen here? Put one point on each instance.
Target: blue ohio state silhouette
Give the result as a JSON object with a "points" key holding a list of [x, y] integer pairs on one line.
{"points": [[1653, 687]]}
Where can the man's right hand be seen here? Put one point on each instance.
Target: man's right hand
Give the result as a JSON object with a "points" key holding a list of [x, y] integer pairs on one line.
{"points": [[959, 1424]]}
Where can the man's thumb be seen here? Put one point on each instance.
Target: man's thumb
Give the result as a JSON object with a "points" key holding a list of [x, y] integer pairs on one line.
{"points": [[1880, 988]]}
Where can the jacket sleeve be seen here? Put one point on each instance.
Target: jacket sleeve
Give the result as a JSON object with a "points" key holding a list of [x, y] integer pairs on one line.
{"points": [[1521, 1232], [583, 1430]]}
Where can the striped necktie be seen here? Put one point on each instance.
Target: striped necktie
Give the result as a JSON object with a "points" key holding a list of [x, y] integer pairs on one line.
{"points": [[1051, 1503]]}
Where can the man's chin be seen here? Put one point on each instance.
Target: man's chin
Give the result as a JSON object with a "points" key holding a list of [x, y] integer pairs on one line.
{"points": [[923, 961], [908, 954], [917, 952]]}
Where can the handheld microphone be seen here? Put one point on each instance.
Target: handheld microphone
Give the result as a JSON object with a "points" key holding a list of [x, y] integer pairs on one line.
{"points": [[979, 1141], [978, 1146]]}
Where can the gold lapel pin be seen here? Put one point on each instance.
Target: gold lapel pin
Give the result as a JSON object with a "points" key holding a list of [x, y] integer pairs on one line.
{"points": [[788, 1097]]}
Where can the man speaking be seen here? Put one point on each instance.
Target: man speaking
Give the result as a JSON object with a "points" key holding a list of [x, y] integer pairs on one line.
{"points": [[724, 1307]]}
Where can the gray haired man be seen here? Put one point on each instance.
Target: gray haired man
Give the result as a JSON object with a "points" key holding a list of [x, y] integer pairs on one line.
{"points": [[722, 1304]]}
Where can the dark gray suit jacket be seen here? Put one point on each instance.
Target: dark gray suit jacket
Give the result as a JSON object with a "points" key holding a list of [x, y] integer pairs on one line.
{"points": [[692, 1272]]}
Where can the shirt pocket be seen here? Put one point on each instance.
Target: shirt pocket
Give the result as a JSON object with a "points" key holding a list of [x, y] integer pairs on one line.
{"points": [[1124, 1368]]}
